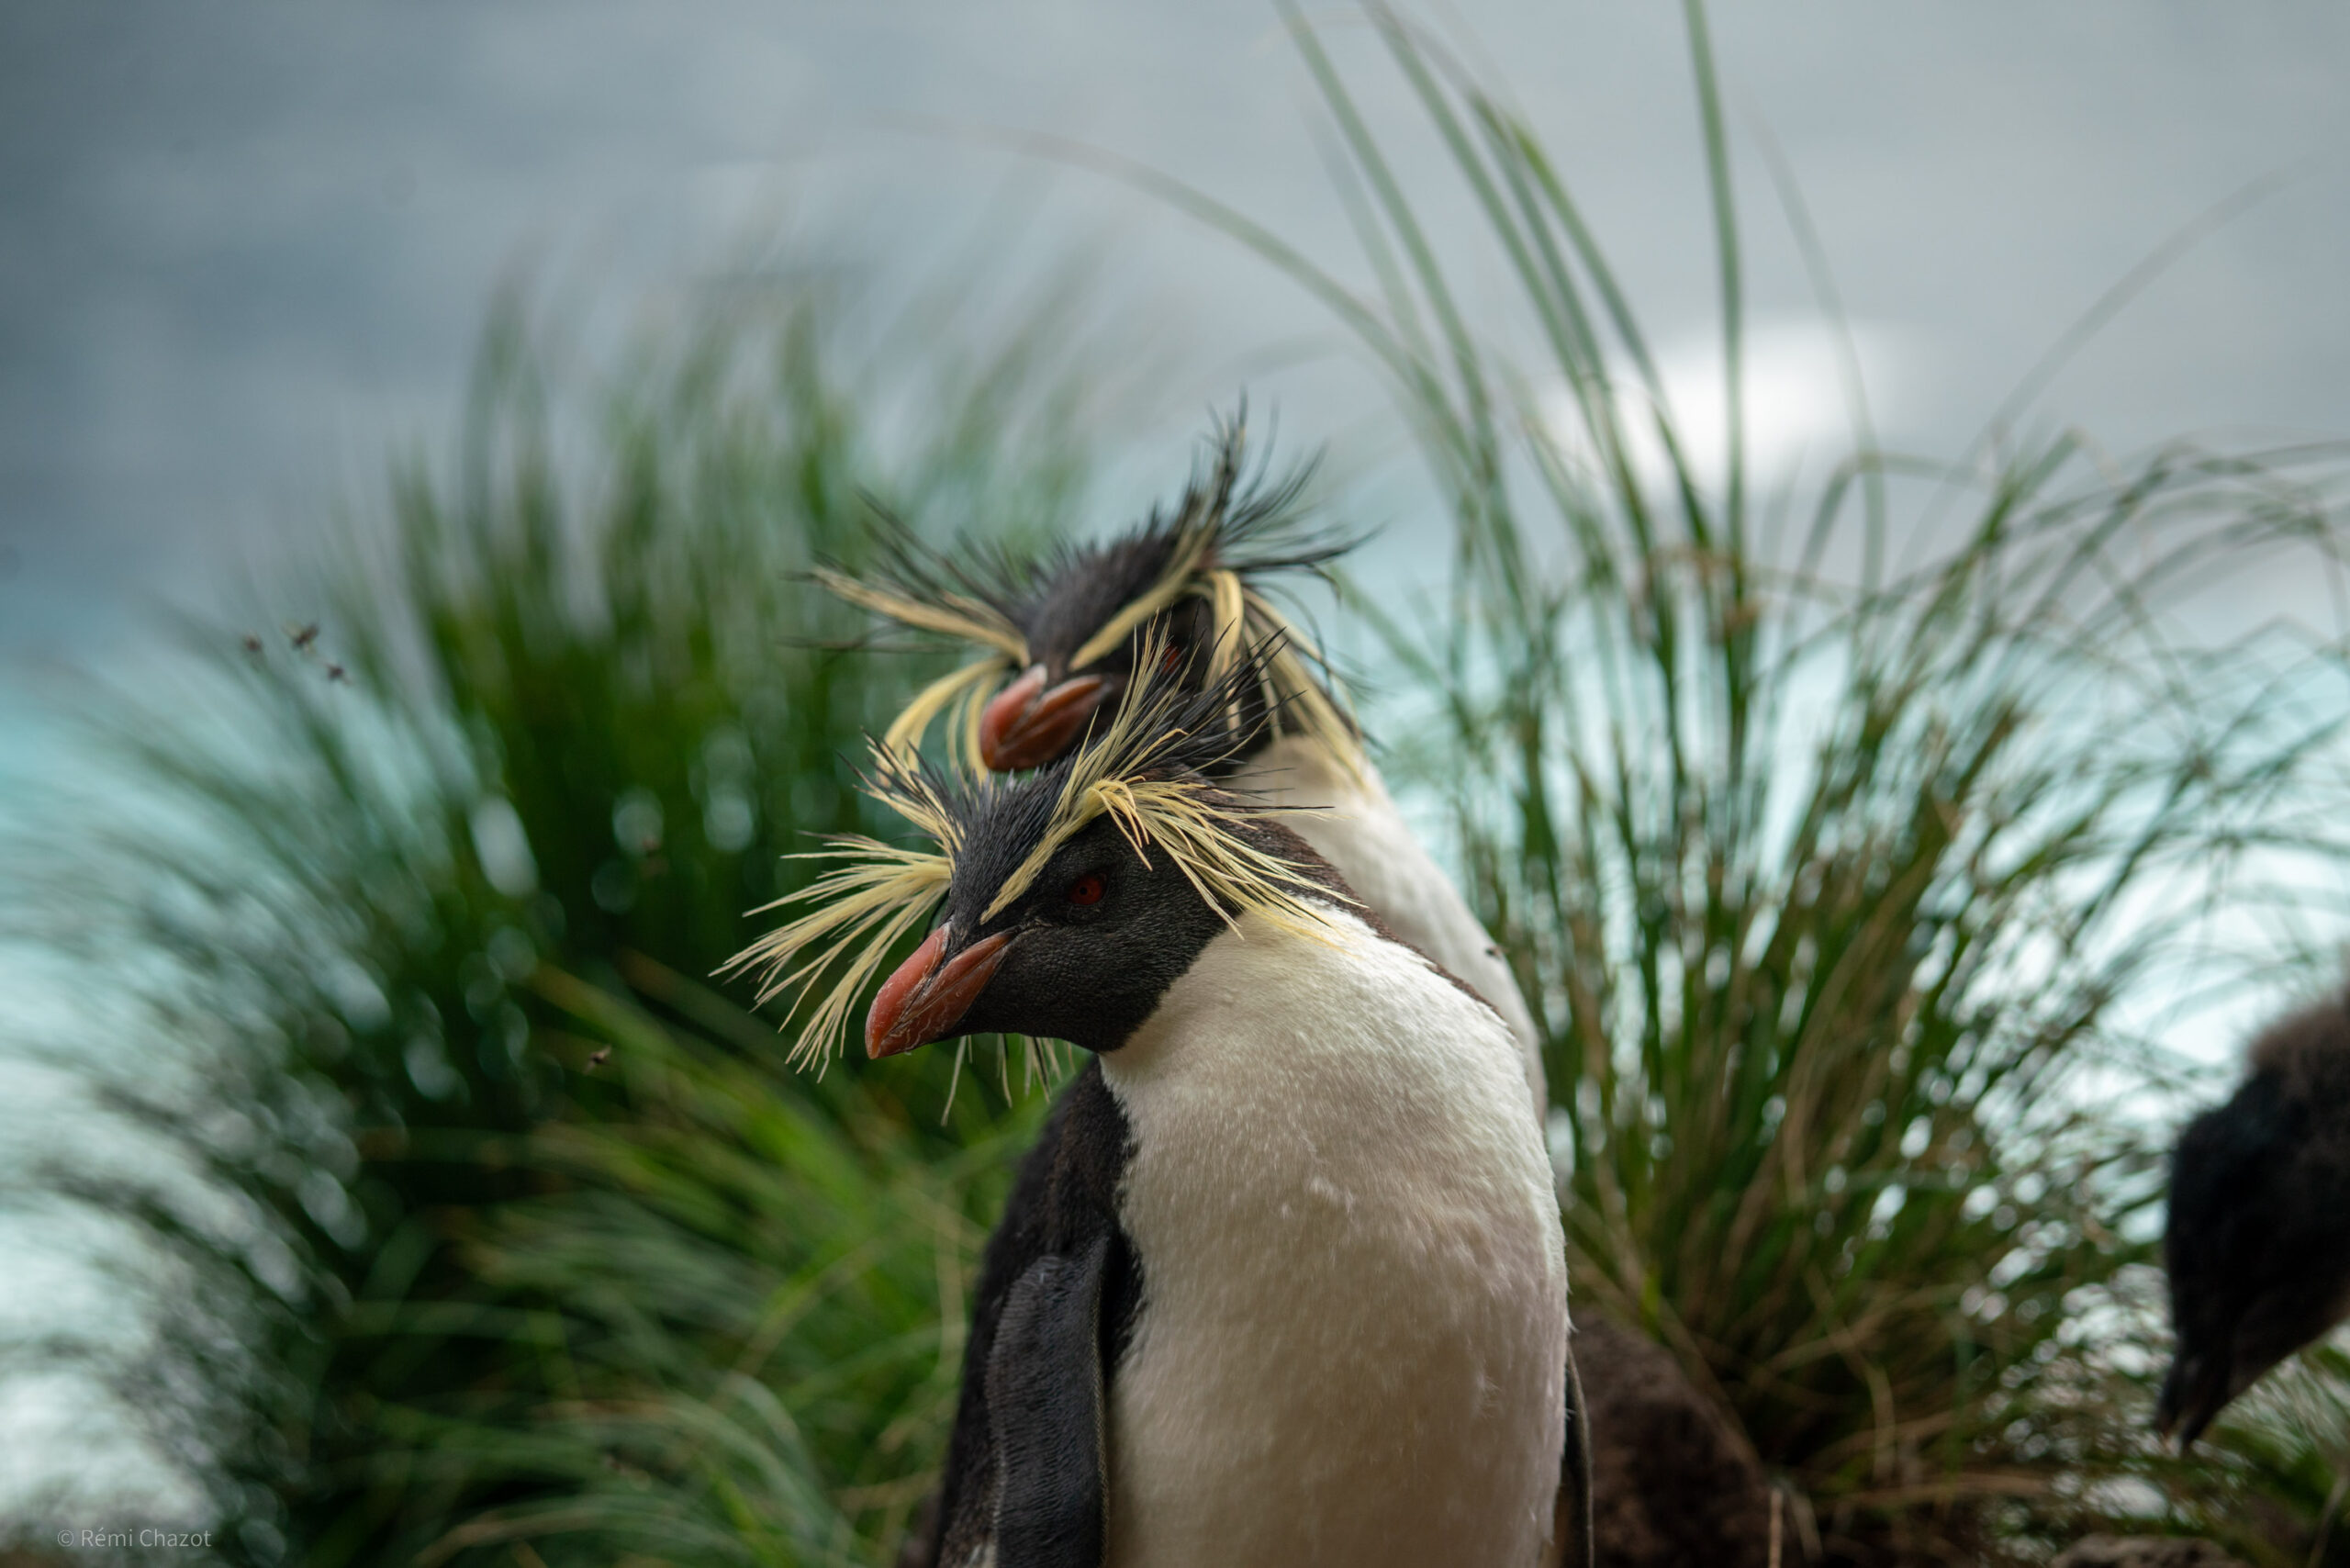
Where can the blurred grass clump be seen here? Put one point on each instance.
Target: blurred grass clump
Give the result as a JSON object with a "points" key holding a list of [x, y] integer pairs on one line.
{"points": [[470, 1217], [1847, 844]]}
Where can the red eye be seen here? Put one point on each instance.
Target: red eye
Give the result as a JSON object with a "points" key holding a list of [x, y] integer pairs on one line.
{"points": [[1087, 889], [1173, 659]]}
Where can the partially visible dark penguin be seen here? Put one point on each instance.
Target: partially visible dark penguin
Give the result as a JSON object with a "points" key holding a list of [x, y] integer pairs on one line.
{"points": [[2258, 1243], [1283, 1283]]}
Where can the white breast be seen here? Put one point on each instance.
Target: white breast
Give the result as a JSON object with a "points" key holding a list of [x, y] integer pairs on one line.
{"points": [[1353, 1336], [1360, 831]]}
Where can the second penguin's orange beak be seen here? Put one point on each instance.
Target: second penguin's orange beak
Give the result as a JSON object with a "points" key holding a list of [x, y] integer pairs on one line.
{"points": [[1026, 726], [925, 999]]}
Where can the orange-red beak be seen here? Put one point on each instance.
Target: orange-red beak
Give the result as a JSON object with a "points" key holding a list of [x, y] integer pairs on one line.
{"points": [[1026, 726], [925, 1000]]}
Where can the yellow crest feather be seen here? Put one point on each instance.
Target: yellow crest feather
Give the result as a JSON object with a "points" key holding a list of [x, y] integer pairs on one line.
{"points": [[1190, 547], [952, 614], [967, 688], [863, 908]]}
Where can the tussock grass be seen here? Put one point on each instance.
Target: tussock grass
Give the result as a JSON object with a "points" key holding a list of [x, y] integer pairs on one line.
{"points": [[1835, 856], [433, 1277]]}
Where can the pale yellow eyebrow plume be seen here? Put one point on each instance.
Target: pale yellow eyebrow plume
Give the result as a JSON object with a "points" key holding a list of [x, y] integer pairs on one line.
{"points": [[1190, 824], [953, 615], [966, 686], [1120, 743], [863, 908], [1190, 547], [1228, 604], [1307, 710], [898, 781]]}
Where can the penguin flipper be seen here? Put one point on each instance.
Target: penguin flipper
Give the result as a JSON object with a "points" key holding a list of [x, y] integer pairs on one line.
{"points": [[1059, 1248], [1046, 1403], [1572, 1542]]}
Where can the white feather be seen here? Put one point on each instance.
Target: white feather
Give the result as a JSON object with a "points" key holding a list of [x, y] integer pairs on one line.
{"points": [[1353, 1336], [1360, 831]]}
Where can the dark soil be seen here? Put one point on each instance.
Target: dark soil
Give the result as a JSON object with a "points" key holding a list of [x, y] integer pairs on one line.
{"points": [[2144, 1552], [1672, 1488]]}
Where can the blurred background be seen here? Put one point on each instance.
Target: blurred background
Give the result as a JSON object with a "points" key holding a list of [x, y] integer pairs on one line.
{"points": [[250, 250], [525, 354]]}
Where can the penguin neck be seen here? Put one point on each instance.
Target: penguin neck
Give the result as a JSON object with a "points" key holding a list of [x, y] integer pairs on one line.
{"points": [[1345, 814]]}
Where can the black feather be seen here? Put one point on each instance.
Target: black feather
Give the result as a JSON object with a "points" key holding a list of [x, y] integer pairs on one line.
{"points": [[1061, 595], [2258, 1245]]}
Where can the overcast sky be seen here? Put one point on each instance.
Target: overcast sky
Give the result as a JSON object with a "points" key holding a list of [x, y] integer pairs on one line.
{"points": [[245, 248]]}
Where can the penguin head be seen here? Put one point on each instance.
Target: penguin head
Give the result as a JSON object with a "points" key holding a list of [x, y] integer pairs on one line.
{"points": [[1068, 901], [1083, 954], [1084, 622], [2221, 1202], [2254, 1239], [1064, 631]]}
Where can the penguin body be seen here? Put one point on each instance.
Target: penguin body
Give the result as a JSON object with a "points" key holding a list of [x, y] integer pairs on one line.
{"points": [[1283, 1282], [1351, 1345]]}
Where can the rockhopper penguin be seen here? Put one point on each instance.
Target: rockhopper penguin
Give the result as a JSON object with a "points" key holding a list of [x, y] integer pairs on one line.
{"points": [[2258, 1245], [1281, 1283], [1061, 633]]}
